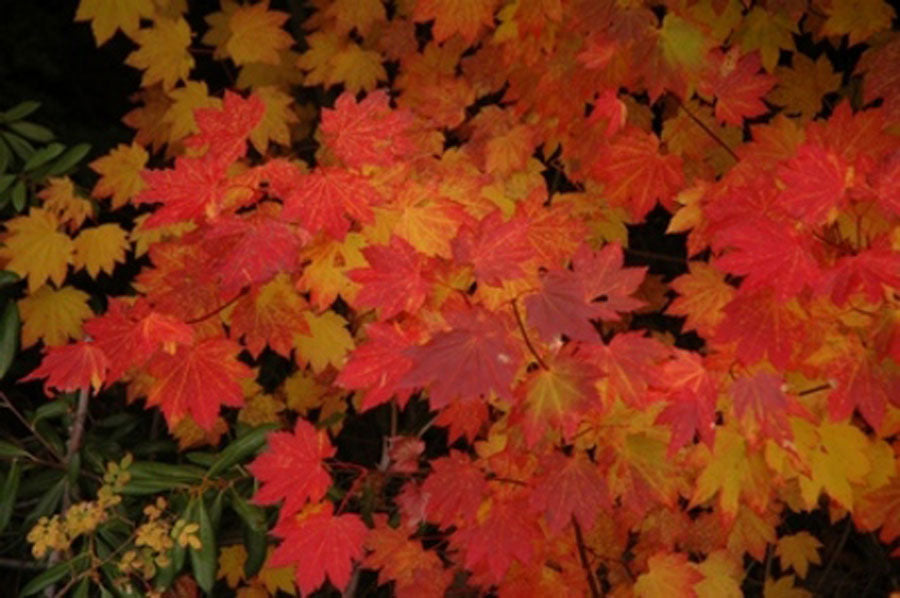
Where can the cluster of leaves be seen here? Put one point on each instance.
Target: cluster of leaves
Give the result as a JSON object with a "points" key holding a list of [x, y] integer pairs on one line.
{"points": [[445, 227]]}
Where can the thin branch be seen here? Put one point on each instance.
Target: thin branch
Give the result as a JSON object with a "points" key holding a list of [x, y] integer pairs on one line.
{"points": [[219, 309], [835, 553], [531, 348], [708, 131], [593, 584], [655, 256], [814, 389], [8, 404]]}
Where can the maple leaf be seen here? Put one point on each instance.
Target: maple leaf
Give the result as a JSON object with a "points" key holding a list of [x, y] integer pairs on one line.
{"points": [[129, 336], [880, 508], [635, 175], [430, 226], [761, 405], [61, 200], [325, 276], [189, 191], [727, 472], [838, 460], [330, 199], [319, 544], [224, 128], [276, 121], [453, 490], [860, 383], [367, 132], [608, 283], [395, 281], [861, 19], [357, 68], [768, 32], [762, 326], [722, 576], [881, 74], [256, 34], [108, 16], [465, 17], [147, 120], [197, 380], [802, 85], [100, 248], [186, 101], [814, 184], [630, 363], [669, 575], [231, 564], [290, 469], [770, 254], [120, 173], [397, 557], [702, 295], [277, 579], [571, 487], [37, 250], [270, 315], [163, 53], [380, 364], [73, 367], [327, 342], [797, 551], [477, 348], [251, 249], [495, 248], [562, 306], [691, 395], [53, 316], [783, 587], [737, 86]]}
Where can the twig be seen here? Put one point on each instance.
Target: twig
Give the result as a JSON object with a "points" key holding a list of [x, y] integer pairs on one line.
{"points": [[8, 404], [593, 584], [814, 389], [531, 348], [655, 256], [708, 131], [350, 590], [835, 553]]}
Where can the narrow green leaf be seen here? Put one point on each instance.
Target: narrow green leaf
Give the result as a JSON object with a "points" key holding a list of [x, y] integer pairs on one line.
{"points": [[252, 516], [52, 575], [5, 155], [19, 146], [241, 448], [18, 196], [10, 451], [51, 410], [6, 181], [163, 472], [8, 493], [203, 561], [43, 155], [81, 591], [69, 159], [256, 542], [31, 131], [9, 335], [19, 111], [47, 504]]}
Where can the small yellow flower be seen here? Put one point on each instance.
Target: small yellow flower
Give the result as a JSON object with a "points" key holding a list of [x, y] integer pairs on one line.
{"points": [[188, 536]]}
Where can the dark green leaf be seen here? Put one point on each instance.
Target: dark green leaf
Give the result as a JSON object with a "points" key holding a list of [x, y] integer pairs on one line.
{"points": [[31, 131], [19, 146], [164, 472], [10, 451], [18, 196], [5, 155], [47, 504], [81, 591], [9, 335], [69, 159], [19, 111], [43, 155], [53, 575], [7, 278], [256, 543], [8, 493], [51, 410], [241, 448], [203, 561], [6, 181]]}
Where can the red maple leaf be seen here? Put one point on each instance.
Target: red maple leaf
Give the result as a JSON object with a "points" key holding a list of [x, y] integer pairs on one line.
{"points": [[691, 394], [454, 490], [251, 249], [318, 544], [225, 130], [869, 271], [478, 349], [635, 175], [380, 364], [395, 281], [130, 335], [737, 84], [291, 468], [770, 254], [73, 367], [495, 248], [463, 418], [367, 132], [330, 199], [631, 364], [189, 191], [861, 384], [197, 380], [270, 315], [762, 326], [570, 487], [814, 182], [562, 306], [762, 406], [608, 284]]}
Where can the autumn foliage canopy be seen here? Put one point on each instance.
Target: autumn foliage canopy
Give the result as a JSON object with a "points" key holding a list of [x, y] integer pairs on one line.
{"points": [[419, 210]]}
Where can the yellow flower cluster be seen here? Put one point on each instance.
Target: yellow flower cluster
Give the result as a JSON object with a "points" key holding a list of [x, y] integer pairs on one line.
{"points": [[59, 531]]}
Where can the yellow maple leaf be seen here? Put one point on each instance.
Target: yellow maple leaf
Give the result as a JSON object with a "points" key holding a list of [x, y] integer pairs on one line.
{"points": [[219, 31], [722, 576], [120, 173], [36, 248], [185, 100], [323, 47], [327, 343], [163, 53], [797, 551], [107, 16], [702, 294], [276, 120], [784, 587], [361, 15], [802, 85], [186, 431], [53, 316], [669, 574], [100, 248], [837, 457], [326, 274], [303, 392], [358, 69], [860, 19], [465, 17], [277, 579], [256, 34], [147, 120], [61, 199], [143, 238], [260, 409], [727, 472], [767, 32], [231, 564], [284, 75]]}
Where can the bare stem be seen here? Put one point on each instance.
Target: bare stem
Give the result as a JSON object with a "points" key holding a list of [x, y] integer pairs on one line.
{"points": [[531, 348], [708, 131], [593, 584]]}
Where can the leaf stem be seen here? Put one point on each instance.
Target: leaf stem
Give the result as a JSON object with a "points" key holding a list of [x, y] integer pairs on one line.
{"points": [[708, 131], [521, 324], [593, 584]]}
